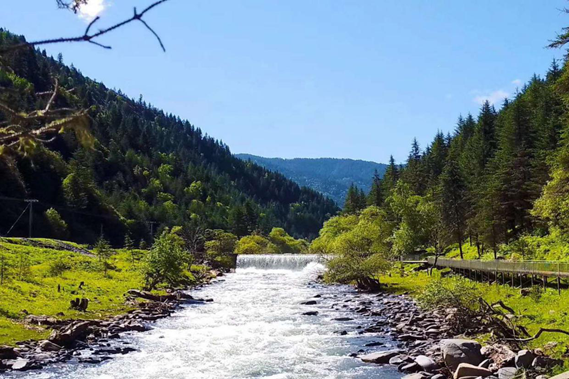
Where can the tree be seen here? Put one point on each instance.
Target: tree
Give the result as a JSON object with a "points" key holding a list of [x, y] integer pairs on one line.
{"points": [[58, 225], [453, 200], [166, 262], [375, 196], [219, 248], [103, 251], [355, 200], [361, 252]]}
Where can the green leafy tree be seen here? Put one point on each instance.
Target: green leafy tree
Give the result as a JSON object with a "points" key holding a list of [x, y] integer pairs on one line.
{"points": [[166, 262], [58, 225]]}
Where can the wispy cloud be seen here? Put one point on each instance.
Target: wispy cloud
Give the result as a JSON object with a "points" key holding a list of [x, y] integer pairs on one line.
{"points": [[493, 97], [517, 82], [92, 9]]}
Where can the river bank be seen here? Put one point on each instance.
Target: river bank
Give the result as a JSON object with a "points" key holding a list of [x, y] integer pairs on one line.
{"points": [[96, 340]]}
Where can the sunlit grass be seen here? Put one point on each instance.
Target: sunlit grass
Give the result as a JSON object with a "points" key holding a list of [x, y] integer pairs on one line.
{"points": [[33, 288], [541, 308]]}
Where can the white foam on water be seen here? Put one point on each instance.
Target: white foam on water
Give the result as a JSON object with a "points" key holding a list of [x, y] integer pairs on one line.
{"points": [[253, 329]]}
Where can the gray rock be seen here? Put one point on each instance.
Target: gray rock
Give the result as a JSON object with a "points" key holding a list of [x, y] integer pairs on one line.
{"points": [[380, 357], [542, 377], [8, 352], [46, 345], [311, 313], [501, 355], [564, 375], [467, 369], [426, 363], [457, 351], [409, 368], [509, 373], [524, 359], [21, 364]]}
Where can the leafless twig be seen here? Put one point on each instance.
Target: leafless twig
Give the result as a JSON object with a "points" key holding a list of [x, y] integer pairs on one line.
{"points": [[86, 37]]}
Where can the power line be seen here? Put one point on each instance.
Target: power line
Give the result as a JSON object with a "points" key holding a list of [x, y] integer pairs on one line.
{"points": [[19, 217]]}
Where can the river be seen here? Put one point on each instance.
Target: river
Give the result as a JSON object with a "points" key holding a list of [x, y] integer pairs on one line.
{"points": [[255, 328]]}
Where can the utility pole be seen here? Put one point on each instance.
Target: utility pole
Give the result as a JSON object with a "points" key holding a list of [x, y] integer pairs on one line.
{"points": [[31, 204]]}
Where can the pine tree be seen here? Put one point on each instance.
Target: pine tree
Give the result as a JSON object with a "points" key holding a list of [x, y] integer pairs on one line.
{"points": [[454, 201], [375, 196]]}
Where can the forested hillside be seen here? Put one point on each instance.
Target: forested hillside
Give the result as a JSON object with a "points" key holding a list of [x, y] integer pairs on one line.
{"points": [[136, 169], [331, 177], [496, 187]]}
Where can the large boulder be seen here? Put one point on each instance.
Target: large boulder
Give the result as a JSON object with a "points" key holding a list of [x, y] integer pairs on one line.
{"points": [[69, 334], [457, 351], [380, 357], [466, 369], [524, 359]]}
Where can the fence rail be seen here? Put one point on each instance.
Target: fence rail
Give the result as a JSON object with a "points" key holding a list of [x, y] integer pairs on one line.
{"points": [[538, 268]]}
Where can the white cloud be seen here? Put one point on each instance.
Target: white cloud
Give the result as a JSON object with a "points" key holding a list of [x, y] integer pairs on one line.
{"points": [[92, 9], [517, 82], [495, 97]]}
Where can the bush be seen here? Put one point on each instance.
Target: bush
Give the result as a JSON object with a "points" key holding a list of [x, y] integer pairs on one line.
{"points": [[58, 225], [166, 262], [58, 267]]}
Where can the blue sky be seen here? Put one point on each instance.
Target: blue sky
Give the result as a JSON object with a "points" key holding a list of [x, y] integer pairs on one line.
{"points": [[336, 78]]}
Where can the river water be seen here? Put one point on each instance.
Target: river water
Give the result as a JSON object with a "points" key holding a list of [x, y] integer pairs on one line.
{"points": [[254, 329]]}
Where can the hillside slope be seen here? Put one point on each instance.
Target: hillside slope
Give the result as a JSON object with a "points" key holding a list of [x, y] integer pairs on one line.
{"points": [[330, 176], [146, 170]]}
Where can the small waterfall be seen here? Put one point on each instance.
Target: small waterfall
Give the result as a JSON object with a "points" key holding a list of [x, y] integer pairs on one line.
{"points": [[278, 261]]}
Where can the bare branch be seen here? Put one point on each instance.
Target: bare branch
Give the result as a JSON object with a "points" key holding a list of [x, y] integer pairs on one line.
{"points": [[539, 333], [86, 37]]}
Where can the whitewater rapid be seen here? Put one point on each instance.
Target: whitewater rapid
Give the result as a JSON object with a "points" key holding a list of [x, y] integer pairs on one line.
{"points": [[255, 328]]}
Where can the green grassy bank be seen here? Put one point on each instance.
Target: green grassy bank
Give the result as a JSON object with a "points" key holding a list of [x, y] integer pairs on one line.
{"points": [[41, 277]]}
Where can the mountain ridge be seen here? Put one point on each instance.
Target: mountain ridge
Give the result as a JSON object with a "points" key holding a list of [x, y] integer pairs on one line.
{"points": [[330, 176]]}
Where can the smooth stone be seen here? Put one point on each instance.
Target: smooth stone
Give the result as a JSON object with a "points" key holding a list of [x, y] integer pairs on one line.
{"points": [[426, 363], [510, 373], [466, 369], [380, 357]]}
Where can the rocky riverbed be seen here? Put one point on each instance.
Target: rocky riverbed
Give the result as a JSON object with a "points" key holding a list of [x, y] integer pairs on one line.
{"points": [[427, 348]]}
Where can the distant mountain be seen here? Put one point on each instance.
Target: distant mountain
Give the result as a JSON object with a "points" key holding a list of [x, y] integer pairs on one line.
{"points": [[329, 176]]}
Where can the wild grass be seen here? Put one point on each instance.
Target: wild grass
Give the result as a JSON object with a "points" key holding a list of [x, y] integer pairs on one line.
{"points": [[42, 281], [540, 308]]}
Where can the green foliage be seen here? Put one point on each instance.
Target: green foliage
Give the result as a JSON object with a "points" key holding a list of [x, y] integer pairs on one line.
{"points": [[277, 242], [58, 267], [456, 292], [57, 224], [219, 247], [360, 245], [52, 267], [145, 165], [167, 261]]}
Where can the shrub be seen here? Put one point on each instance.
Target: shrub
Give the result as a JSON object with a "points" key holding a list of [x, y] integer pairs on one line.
{"points": [[58, 267]]}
